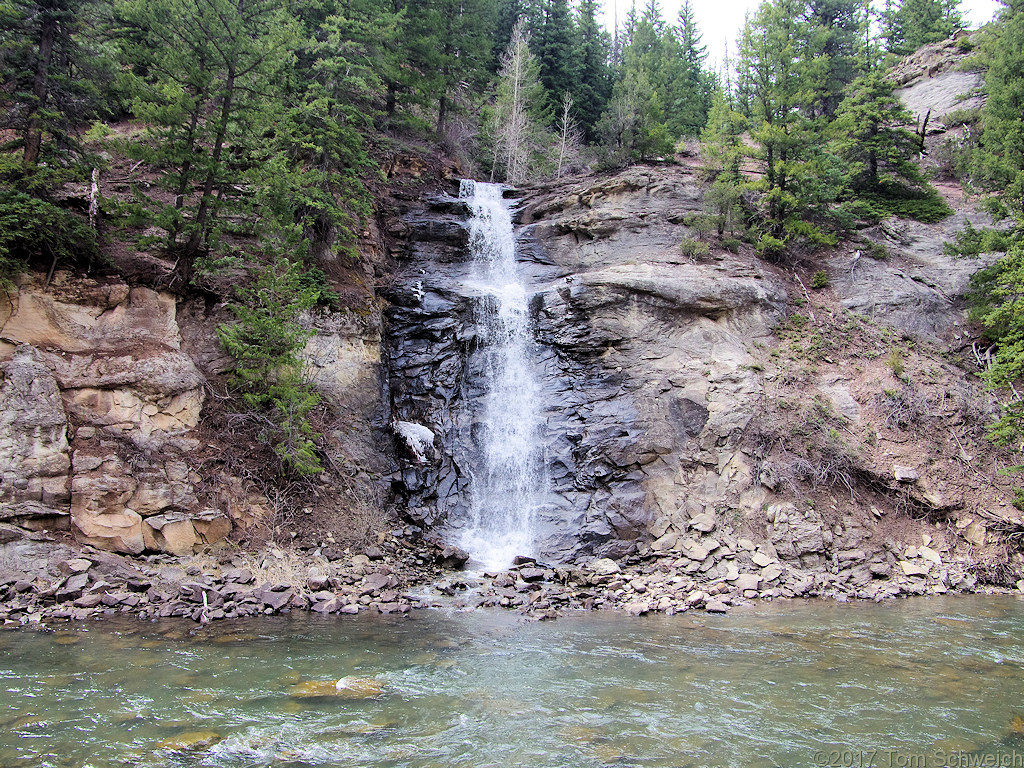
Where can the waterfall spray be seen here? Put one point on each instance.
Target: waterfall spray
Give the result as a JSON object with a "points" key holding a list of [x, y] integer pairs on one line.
{"points": [[510, 482]]}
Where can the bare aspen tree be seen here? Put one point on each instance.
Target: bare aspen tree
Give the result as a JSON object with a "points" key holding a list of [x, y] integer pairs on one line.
{"points": [[513, 126], [570, 137]]}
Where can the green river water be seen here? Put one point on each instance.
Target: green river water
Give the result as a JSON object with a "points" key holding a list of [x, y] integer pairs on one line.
{"points": [[923, 682]]}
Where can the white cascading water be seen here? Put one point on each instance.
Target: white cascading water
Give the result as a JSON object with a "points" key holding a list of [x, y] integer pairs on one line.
{"points": [[509, 484]]}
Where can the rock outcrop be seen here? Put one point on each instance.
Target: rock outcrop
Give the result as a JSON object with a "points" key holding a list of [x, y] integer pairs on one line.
{"points": [[685, 413], [112, 403], [35, 458], [103, 392], [643, 355]]}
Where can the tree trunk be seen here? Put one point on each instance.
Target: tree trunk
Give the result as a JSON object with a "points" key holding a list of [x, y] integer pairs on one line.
{"points": [[33, 136], [873, 160], [186, 262], [442, 114]]}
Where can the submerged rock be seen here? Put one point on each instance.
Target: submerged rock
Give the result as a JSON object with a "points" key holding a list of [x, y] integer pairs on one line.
{"points": [[345, 688], [190, 741]]}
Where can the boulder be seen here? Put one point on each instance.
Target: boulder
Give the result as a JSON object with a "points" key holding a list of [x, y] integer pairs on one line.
{"points": [[762, 560], [171, 533], [453, 557], [115, 530], [603, 567], [704, 522], [747, 581], [211, 525], [913, 568], [716, 606], [904, 474]]}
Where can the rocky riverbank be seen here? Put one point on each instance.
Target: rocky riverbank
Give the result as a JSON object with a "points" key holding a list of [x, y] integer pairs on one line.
{"points": [[45, 580]]}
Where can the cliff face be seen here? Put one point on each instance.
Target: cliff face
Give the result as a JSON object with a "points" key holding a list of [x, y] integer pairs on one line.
{"points": [[694, 408], [106, 427], [719, 394], [644, 360]]}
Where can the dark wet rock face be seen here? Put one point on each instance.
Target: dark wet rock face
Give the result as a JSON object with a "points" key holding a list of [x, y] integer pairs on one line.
{"points": [[641, 354]]}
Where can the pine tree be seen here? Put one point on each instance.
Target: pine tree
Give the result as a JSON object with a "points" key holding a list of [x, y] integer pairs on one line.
{"points": [[449, 46], [507, 15], [632, 127], [1000, 159], [54, 66], [778, 70], [266, 342], [722, 154], [593, 86], [519, 93], [838, 26], [554, 47], [688, 87], [206, 77], [872, 140], [909, 24], [999, 167]]}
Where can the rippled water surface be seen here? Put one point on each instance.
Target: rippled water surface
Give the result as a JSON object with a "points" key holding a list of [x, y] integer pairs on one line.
{"points": [[919, 682]]}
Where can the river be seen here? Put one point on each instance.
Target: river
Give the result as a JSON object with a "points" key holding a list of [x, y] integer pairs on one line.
{"points": [[922, 682]]}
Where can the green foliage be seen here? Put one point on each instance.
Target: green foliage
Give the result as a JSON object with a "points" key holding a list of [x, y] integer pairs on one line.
{"points": [[925, 205], [703, 224], [820, 280], [771, 248], [266, 342], [999, 159], [633, 128], [207, 79], [878, 251], [909, 24], [662, 90], [34, 229], [780, 69], [722, 152], [555, 46], [517, 136], [894, 362], [870, 137], [797, 321], [56, 72], [974, 242], [594, 82], [692, 248], [448, 51], [689, 86]]}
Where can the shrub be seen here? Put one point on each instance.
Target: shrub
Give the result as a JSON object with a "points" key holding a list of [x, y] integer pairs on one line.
{"points": [[894, 362], [974, 242], [796, 320], [771, 248], [703, 224], [924, 205], [878, 251], [693, 248], [732, 245], [266, 343], [901, 408], [849, 212], [34, 229], [820, 280]]}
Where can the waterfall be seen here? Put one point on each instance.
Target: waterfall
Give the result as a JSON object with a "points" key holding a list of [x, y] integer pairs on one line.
{"points": [[508, 481]]}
